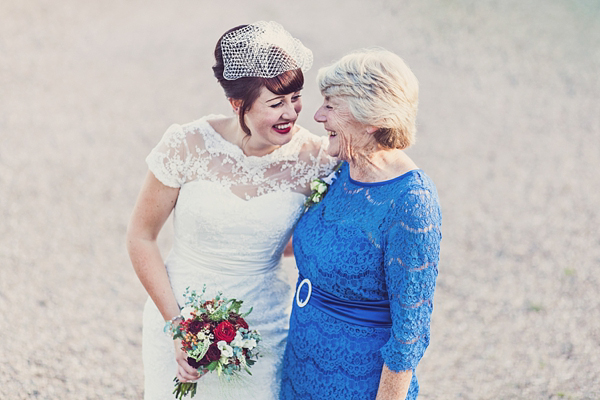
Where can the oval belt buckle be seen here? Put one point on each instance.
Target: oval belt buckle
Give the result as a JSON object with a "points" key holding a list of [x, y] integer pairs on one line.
{"points": [[305, 302]]}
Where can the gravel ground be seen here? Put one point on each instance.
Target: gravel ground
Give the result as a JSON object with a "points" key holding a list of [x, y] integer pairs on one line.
{"points": [[508, 129]]}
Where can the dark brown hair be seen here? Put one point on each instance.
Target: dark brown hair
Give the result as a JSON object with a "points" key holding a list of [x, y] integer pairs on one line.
{"points": [[247, 89]]}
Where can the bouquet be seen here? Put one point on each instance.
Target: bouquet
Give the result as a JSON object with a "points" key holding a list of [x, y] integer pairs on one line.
{"points": [[215, 337]]}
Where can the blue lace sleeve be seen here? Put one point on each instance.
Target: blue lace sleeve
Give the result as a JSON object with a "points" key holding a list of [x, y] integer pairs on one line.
{"points": [[412, 247]]}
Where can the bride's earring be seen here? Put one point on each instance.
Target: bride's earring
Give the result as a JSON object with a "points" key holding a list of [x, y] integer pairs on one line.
{"points": [[235, 105]]}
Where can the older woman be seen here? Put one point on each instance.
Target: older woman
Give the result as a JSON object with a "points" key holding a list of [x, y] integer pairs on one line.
{"points": [[367, 253]]}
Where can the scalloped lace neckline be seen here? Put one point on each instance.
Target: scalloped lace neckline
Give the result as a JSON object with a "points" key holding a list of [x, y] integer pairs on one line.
{"points": [[216, 143]]}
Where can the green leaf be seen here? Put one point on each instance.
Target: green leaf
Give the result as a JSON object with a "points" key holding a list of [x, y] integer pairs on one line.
{"points": [[235, 306], [212, 366], [244, 315]]}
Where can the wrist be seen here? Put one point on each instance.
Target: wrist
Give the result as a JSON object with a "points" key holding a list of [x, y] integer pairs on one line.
{"points": [[172, 325], [175, 320]]}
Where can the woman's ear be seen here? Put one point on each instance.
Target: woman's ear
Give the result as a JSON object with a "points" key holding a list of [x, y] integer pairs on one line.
{"points": [[372, 129], [236, 104]]}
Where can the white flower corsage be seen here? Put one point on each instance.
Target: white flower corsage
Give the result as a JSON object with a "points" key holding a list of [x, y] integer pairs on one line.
{"points": [[320, 186]]}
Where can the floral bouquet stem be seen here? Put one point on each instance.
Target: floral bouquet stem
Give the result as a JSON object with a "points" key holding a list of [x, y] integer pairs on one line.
{"points": [[182, 389]]}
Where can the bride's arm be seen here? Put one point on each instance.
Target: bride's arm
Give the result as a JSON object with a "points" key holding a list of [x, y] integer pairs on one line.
{"points": [[154, 204]]}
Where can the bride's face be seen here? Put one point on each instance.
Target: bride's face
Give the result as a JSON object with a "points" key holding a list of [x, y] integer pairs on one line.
{"points": [[272, 117]]}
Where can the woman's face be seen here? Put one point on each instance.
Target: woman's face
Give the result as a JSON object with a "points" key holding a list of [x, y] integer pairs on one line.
{"points": [[347, 136], [272, 117]]}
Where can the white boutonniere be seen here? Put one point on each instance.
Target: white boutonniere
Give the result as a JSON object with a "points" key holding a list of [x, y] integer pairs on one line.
{"points": [[319, 187]]}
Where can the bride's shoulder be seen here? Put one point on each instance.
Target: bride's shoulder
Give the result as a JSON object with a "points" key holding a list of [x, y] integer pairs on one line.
{"points": [[218, 123], [208, 124], [313, 152], [203, 132], [311, 143]]}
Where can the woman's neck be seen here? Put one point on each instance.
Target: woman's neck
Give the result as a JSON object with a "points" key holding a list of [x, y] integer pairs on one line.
{"points": [[250, 145], [379, 165]]}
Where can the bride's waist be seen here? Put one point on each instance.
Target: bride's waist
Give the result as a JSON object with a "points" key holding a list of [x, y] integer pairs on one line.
{"points": [[185, 257]]}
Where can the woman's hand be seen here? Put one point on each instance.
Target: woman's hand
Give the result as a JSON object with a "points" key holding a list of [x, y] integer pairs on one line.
{"points": [[185, 372]]}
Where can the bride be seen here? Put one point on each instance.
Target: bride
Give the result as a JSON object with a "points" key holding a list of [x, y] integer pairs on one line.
{"points": [[237, 186]]}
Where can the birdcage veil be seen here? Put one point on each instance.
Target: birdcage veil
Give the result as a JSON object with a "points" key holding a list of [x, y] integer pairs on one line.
{"points": [[262, 49]]}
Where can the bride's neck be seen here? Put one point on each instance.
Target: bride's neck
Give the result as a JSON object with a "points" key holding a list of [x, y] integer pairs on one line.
{"points": [[250, 145]]}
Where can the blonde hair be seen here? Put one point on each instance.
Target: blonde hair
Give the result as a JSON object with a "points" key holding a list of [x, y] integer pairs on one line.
{"points": [[380, 90]]}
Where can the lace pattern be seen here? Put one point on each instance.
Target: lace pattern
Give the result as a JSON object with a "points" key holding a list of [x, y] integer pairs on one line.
{"points": [[195, 151], [371, 242]]}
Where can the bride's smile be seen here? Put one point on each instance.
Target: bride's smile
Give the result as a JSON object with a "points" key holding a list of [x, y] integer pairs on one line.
{"points": [[272, 121]]}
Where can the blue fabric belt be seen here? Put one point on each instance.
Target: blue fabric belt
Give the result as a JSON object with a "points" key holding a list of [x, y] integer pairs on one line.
{"points": [[371, 313]]}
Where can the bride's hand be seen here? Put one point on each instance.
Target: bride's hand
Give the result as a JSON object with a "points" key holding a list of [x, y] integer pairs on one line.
{"points": [[185, 372]]}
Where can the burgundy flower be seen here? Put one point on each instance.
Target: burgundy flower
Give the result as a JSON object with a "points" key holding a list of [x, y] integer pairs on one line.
{"points": [[241, 322], [233, 317], [195, 326], [212, 354], [194, 363]]}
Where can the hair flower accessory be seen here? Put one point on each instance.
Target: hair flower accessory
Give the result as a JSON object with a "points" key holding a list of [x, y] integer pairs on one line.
{"points": [[319, 187]]}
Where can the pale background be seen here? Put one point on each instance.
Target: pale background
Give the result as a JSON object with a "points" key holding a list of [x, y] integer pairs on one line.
{"points": [[509, 129]]}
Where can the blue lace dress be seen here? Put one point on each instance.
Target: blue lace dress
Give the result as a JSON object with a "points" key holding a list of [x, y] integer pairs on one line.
{"points": [[364, 241]]}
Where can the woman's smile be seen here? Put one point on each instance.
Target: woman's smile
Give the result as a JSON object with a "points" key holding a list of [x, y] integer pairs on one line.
{"points": [[283, 128]]}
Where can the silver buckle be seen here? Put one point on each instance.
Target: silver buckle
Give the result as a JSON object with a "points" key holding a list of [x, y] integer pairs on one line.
{"points": [[305, 302]]}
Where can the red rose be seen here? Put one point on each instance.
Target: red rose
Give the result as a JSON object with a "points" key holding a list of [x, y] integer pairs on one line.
{"points": [[225, 331], [241, 322]]}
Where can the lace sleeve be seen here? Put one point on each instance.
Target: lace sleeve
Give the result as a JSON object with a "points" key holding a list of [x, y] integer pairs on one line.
{"points": [[314, 162], [169, 161], [324, 162], [412, 247]]}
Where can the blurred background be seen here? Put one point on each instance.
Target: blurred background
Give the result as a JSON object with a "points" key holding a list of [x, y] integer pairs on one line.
{"points": [[508, 128]]}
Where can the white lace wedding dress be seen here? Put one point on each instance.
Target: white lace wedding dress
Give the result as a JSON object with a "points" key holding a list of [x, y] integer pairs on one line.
{"points": [[233, 219]]}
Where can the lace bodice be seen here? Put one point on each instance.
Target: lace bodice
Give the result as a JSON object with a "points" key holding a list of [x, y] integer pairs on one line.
{"points": [[364, 241], [195, 151]]}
